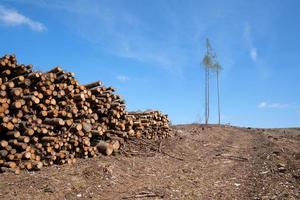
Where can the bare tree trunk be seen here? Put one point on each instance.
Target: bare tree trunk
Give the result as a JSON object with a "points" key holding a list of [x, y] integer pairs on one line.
{"points": [[218, 88], [207, 95]]}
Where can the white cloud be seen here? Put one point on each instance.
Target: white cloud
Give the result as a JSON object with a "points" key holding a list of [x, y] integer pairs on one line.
{"points": [[252, 50], [123, 78], [264, 105], [253, 54], [12, 17], [260, 63], [122, 33]]}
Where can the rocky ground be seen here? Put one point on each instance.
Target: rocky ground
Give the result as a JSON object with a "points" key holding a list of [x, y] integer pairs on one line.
{"points": [[195, 163]]}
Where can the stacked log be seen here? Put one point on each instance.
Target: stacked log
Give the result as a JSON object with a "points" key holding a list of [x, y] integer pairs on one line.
{"points": [[49, 118], [150, 124]]}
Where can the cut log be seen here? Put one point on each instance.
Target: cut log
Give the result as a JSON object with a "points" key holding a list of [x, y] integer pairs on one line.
{"points": [[87, 127], [54, 121], [10, 170], [14, 134], [105, 148], [93, 85]]}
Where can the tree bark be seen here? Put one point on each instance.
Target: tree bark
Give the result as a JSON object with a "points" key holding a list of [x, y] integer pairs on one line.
{"points": [[218, 88]]}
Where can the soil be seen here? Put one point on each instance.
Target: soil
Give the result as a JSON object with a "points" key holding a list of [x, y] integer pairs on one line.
{"points": [[215, 162]]}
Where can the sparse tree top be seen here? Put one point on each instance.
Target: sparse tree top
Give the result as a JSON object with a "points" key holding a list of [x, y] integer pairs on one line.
{"points": [[216, 67], [207, 61], [210, 58]]}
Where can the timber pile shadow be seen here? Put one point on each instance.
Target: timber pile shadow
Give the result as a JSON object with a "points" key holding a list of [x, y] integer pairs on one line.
{"points": [[48, 118]]}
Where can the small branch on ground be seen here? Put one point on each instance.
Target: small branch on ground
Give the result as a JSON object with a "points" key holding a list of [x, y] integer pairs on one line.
{"points": [[142, 194], [181, 159], [230, 157]]}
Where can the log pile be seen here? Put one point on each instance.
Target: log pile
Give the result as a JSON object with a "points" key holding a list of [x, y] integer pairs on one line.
{"points": [[150, 124], [48, 118]]}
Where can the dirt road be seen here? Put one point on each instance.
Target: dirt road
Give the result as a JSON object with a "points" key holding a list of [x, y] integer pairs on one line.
{"points": [[196, 163]]}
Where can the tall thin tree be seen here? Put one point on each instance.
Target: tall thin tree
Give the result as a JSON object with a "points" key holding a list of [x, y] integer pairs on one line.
{"points": [[217, 68], [210, 63]]}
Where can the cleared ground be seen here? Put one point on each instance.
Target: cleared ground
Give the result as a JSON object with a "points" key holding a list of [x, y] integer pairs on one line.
{"points": [[196, 163]]}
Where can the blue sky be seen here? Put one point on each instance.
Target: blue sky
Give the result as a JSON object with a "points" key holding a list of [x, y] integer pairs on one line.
{"points": [[151, 51]]}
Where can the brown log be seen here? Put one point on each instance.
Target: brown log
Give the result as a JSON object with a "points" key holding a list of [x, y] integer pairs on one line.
{"points": [[28, 165], [10, 84], [96, 132], [8, 125], [20, 145], [105, 148], [76, 127], [14, 134], [10, 170], [93, 85], [37, 165], [116, 145], [49, 139], [3, 153], [3, 143], [10, 164], [24, 139], [10, 157], [16, 92], [26, 155], [87, 127], [54, 121], [55, 70]]}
